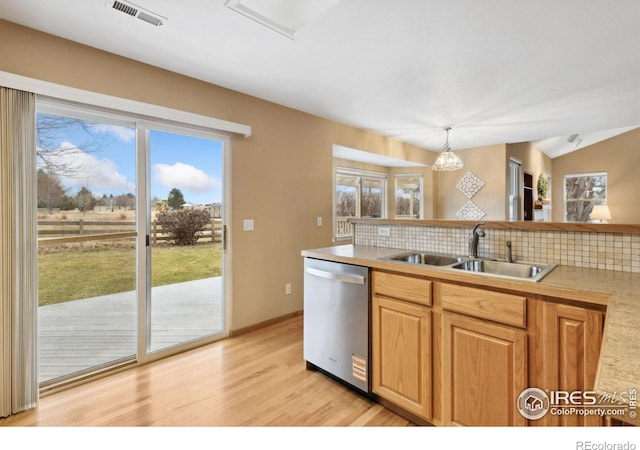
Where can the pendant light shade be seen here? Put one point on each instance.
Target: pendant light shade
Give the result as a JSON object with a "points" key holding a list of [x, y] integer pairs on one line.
{"points": [[447, 161]]}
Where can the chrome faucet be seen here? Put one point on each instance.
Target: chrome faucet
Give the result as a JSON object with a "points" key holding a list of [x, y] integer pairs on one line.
{"points": [[509, 257], [476, 234]]}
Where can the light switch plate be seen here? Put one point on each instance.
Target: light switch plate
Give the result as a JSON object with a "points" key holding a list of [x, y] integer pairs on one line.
{"points": [[248, 225], [384, 231], [319, 221]]}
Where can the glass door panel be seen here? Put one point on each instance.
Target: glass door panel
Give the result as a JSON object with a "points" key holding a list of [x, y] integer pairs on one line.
{"points": [[186, 301], [86, 244]]}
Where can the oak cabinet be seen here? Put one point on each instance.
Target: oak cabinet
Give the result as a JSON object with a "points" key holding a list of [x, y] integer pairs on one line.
{"points": [[484, 372], [461, 355], [401, 341], [484, 355], [571, 338]]}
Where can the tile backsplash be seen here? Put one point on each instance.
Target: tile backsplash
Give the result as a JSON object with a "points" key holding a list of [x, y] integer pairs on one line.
{"points": [[610, 251]]}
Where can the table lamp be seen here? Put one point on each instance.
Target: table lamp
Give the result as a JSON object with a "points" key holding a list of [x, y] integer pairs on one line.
{"points": [[600, 214]]}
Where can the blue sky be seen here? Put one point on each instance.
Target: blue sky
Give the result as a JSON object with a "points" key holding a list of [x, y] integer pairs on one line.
{"points": [[103, 160]]}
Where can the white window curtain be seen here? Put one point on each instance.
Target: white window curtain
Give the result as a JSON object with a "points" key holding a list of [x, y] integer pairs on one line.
{"points": [[18, 253]]}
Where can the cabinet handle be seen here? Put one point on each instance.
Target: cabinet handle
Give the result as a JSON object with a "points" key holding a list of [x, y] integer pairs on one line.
{"points": [[355, 279]]}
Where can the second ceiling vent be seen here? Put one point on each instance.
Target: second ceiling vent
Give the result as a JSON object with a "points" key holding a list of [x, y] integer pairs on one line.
{"points": [[136, 11]]}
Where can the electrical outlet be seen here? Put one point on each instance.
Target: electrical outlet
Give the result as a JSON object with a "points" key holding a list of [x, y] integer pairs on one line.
{"points": [[247, 225], [287, 289], [319, 221], [384, 231]]}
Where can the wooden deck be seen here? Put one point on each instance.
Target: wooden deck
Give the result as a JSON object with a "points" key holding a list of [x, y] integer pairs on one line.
{"points": [[81, 334]]}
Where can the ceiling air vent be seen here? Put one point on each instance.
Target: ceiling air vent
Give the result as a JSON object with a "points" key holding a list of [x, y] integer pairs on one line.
{"points": [[136, 11]]}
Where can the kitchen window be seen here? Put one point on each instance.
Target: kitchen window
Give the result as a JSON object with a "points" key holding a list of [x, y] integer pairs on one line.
{"points": [[581, 193], [408, 196], [358, 194]]}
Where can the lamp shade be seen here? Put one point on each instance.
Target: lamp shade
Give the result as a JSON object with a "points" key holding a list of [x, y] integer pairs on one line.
{"points": [[600, 213], [447, 160]]}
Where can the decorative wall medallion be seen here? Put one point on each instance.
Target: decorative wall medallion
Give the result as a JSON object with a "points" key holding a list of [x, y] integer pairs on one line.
{"points": [[469, 184], [470, 211]]}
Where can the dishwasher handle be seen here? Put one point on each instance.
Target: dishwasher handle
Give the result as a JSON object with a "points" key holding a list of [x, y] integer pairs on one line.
{"points": [[355, 279]]}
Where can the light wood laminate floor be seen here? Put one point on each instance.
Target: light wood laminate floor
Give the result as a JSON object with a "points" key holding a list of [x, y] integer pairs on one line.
{"points": [[255, 379]]}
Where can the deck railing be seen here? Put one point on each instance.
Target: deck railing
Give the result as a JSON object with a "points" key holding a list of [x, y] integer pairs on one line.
{"points": [[343, 229]]}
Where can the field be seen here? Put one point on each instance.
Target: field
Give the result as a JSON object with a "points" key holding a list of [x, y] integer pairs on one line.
{"points": [[81, 270], [98, 214]]}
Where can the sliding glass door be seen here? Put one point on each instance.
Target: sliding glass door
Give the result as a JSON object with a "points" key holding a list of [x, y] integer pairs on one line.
{"points": [[86, 191], [186, 295], [130, 240]]}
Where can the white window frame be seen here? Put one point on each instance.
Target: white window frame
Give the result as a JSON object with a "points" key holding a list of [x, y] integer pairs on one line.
{"points": [[361, 175], [420, 178], [598, 201]]}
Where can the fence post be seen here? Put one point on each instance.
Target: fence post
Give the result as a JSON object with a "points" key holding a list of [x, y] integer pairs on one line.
{"points": [[81, 227], [154, 232]]}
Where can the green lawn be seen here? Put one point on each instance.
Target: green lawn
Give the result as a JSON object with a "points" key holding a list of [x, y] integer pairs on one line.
{"points": [[66, 276]]}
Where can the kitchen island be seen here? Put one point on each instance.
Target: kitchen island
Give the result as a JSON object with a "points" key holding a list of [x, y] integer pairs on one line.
{"points": [[609, 293]]}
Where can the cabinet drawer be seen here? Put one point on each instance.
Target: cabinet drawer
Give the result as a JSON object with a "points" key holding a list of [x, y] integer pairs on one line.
{"points": [[404, 287], [505, 308]]}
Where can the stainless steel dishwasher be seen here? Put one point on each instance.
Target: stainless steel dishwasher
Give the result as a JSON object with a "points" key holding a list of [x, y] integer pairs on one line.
{"points": [[336, 320]]}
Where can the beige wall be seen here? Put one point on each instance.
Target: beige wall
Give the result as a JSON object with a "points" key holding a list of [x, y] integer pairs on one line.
{"points": [[619, 156], [281, 175], [486, 163]]}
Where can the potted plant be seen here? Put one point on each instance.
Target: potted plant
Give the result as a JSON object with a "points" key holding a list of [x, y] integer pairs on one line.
{"points": [[543, 187]]}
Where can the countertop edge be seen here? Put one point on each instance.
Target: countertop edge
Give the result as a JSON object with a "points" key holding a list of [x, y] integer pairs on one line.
{"points": [[543, 287]]}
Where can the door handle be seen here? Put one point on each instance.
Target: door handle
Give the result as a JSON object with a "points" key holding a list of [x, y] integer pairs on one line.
{"points": [[355, 279], [224, 237]]}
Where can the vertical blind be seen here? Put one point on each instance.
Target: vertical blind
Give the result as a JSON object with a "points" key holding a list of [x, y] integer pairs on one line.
{"points": [[18, 253]]}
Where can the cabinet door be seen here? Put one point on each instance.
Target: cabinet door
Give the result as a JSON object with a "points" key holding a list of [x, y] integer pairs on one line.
{"points": [[402, 354], [484, 372], [572, 338]]}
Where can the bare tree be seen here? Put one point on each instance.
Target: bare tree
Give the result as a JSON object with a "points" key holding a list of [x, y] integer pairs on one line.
{"points": [[50, 191], [126, 201], [346, 203], [370, 202], [55, 153]]}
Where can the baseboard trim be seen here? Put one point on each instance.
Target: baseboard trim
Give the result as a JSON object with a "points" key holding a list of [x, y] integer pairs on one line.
{"points": [[266, 323]]}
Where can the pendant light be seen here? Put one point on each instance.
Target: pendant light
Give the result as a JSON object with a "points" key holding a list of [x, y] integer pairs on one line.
{"points": [[447, 161]]}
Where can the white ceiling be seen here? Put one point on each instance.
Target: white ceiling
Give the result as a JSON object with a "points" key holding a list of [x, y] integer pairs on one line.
{"points": [[495, 70]]}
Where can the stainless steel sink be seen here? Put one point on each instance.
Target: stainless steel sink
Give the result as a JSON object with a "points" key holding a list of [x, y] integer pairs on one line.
{"points": [[430, 259], [517, 270]]}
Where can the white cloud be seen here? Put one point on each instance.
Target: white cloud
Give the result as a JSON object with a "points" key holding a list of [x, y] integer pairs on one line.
{"points": [[122, 133], [87, 170], [184, 177]]}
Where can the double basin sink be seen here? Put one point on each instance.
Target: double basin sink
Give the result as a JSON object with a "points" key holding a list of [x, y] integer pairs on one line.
{"points": [[519, 270]]}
